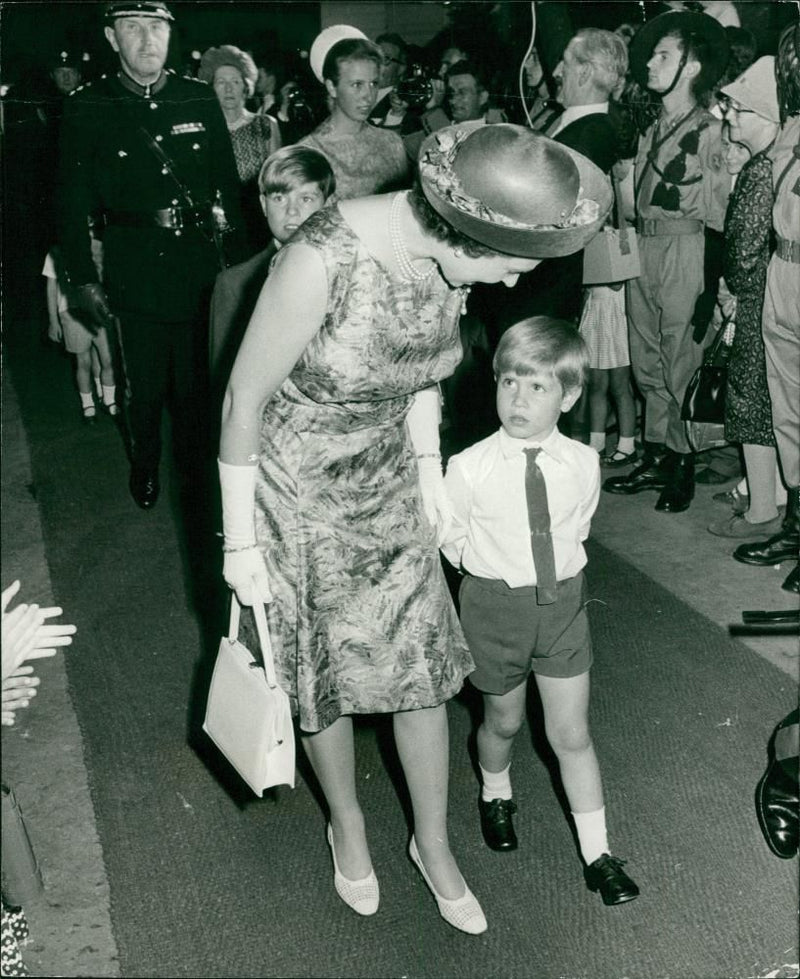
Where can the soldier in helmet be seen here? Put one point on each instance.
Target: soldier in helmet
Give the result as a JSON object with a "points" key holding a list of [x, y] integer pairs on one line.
{"points": [[146, 153]]}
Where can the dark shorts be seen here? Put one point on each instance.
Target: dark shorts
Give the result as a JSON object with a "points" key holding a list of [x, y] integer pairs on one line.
{"points": [[509, 634]]}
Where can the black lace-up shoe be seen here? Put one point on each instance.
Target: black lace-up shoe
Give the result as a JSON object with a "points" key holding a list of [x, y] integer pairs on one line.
{"points": [[607, 876], [496, 823], [144, 487]]}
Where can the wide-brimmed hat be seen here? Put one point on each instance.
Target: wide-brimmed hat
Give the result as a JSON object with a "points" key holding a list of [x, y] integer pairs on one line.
{"points": [[134, 8], [230, 56], [325, 40], [514, 190], [649, 34], [756, 89]]}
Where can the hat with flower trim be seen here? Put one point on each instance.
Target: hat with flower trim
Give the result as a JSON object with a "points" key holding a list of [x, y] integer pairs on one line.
{"points": [[514, 190]]}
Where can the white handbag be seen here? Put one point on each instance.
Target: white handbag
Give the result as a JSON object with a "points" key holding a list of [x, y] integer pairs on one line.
{"points": [[248, 716]]}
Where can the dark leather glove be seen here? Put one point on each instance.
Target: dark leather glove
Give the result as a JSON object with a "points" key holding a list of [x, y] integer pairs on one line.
{"points": [[89, 304]]}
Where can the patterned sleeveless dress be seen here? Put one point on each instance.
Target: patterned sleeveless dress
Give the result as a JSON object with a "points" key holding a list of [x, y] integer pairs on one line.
{"points": [[362, 620]]}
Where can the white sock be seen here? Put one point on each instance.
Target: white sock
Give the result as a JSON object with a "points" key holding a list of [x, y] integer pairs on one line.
{"points": [[496, 785], [625, 444], [597, 440], [87, 399], [97, 385], [592, 838], [741, 487], [109, 394]]}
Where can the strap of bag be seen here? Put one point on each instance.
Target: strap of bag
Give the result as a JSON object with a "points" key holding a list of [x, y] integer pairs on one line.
{"points": [[263, 635], [717, 351]]}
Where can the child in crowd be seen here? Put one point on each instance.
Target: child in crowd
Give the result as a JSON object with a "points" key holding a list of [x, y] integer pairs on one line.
{"points": [[604, 327], [294, 182], [522, 502], [92, 351]]}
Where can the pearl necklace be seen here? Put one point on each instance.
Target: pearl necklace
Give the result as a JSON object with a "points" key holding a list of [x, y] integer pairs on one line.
{"points": [[402, 256]]}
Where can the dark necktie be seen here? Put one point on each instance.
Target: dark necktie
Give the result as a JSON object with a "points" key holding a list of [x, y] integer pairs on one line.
{"points": [[539, 521]]}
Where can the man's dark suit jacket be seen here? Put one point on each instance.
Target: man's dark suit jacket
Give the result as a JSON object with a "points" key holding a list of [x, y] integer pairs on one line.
{"points": [[553, 288], [234, 298]]}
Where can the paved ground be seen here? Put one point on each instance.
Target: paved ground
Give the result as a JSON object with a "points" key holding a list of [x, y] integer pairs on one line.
{"points": [[43, 756]]}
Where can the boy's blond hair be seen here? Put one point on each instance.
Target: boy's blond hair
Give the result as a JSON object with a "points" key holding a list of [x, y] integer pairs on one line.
{"points": [[543, 342]]}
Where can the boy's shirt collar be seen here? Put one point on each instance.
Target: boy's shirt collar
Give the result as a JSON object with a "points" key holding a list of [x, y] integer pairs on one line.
{"points": [[551, 445]]}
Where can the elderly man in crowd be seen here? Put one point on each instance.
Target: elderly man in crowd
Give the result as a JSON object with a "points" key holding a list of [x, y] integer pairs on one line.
{"points": [[149, 151]]}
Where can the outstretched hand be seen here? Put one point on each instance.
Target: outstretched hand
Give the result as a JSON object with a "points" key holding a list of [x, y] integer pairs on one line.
{"points": [[25, 635]]}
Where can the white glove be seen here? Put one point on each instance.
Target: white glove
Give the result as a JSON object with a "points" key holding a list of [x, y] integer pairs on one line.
{"points": [[435, 501], [243, 565], [423, 428]]}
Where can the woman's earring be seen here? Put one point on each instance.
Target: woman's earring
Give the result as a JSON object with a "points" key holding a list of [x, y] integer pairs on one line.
{"points": [[458, 252]]}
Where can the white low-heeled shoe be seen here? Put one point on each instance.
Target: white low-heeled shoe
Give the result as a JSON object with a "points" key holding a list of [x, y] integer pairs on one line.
{"points": [[463, 912], [364, 895]]}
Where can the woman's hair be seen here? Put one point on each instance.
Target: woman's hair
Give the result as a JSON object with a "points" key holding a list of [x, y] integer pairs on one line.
{"points": [[434, 225], [543, 342], [742, 50], [787, 72], [230, 56], [295, 165], [350, 49]]}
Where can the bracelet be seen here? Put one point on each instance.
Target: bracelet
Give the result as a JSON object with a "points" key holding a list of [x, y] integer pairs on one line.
{"points": [[229, 549], [429, 455]]}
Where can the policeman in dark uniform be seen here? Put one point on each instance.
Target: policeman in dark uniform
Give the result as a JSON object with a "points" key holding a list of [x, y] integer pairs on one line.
{"points": [[146, 153]]}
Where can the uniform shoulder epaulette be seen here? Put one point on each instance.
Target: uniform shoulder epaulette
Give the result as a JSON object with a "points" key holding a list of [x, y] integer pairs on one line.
{"points": [[81, 88]]}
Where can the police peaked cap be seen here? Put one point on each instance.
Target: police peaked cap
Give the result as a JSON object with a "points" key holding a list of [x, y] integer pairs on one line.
{"points": [[138, 8]]}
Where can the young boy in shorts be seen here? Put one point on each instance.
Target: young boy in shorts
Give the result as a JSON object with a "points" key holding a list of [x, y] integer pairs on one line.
{"points": [[523, 499]]}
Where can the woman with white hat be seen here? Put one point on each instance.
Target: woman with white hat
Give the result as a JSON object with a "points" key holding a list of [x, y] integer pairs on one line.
{"points": [[750, 106], [332, 486], [365, 159]]}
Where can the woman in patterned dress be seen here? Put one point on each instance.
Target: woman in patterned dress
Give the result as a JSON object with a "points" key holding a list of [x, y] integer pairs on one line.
{"points": [[365, 159], [330, 423], [233, 75], [748, 245]]}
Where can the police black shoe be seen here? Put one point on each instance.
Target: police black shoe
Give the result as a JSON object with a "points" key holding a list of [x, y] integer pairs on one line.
{"points": [[651, 474], [678, 492], [144, 487], [607, 876], [496, 824]]}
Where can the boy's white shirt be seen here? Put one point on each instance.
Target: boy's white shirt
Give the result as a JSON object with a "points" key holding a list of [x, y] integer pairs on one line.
{"points": [[489, 535]]}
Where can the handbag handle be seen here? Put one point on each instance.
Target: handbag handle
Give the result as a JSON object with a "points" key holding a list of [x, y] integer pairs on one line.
{"points": [[263, 635]]}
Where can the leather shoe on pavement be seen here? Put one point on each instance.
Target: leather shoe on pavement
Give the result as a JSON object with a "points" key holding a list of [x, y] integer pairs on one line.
{"points": [[776, 808], [144, 487], [650, 474], [678, 493], [737, 526], [607, 876], [781, 547], [496, 823], [792, 583]]}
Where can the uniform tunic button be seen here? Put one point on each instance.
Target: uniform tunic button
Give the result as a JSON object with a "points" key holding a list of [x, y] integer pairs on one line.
{"points": [[177, 234], [159, 138], [154, 105], [165, 170], [195, 146]]}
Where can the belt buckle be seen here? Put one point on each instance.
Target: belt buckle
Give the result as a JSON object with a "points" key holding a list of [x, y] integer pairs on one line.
{"points": [[176, 218], [650, 227]]}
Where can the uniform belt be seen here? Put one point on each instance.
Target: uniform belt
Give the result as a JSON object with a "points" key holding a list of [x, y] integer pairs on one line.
{"points": [[788, 250], [174, 218], [658, 227]]}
